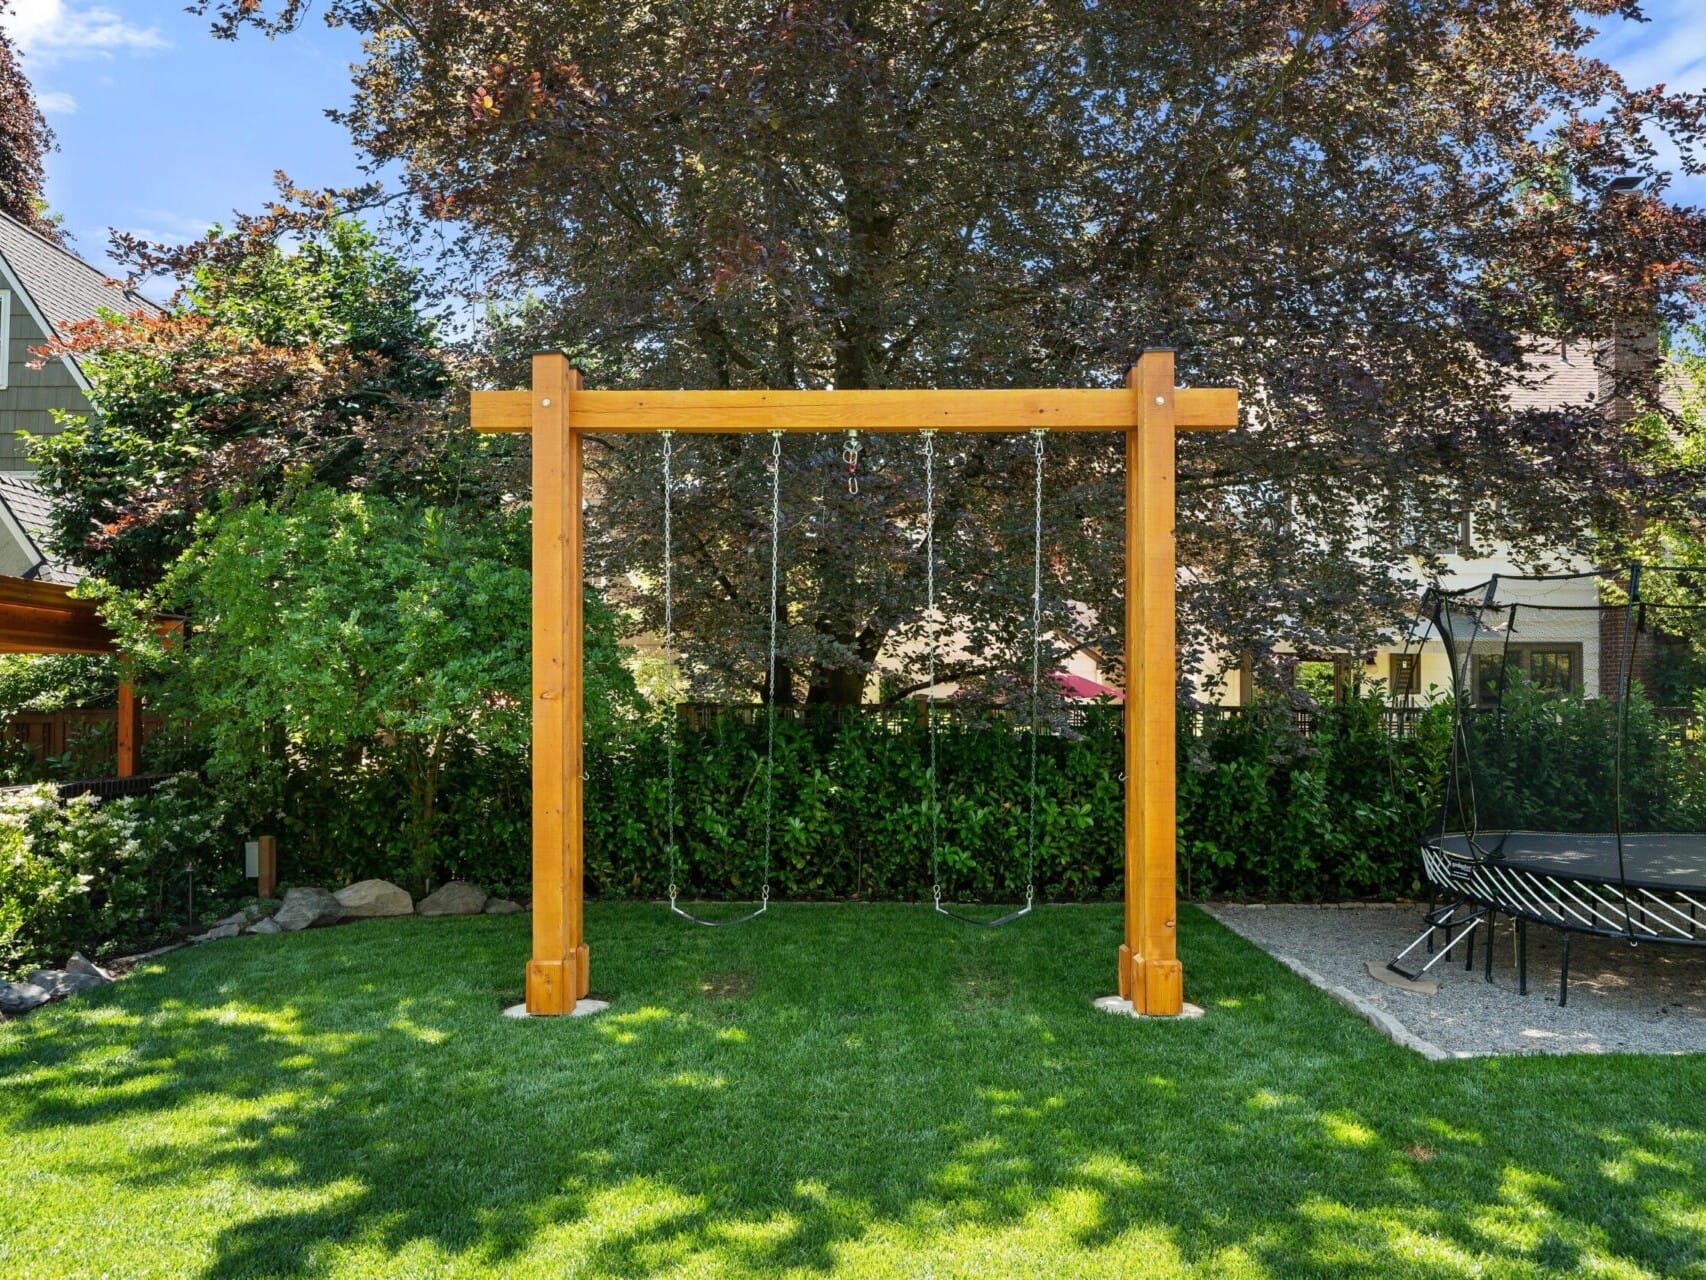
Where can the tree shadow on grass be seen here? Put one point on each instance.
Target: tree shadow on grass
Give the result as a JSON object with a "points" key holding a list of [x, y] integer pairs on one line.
{"points": [[875, 1094]]}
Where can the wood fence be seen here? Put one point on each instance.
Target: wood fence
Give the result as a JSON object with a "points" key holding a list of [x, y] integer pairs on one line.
{"points": [[55, 733]]}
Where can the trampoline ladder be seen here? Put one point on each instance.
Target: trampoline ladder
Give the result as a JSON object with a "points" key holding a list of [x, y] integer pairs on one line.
{"points": [[1449, 919]]}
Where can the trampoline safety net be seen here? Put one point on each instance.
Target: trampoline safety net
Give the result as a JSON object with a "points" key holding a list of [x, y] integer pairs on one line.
{"points": [[1575, 791]]}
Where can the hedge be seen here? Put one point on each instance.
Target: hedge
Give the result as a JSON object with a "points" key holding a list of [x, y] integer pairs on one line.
{"points": [[1264, 811]]}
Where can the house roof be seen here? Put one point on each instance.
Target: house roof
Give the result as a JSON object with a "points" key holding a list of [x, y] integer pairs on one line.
{"points": [[31, 510], [63, 288], [1556, 375]]}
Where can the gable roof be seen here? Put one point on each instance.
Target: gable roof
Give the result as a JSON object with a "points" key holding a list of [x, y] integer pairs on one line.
{"points": [[59, 287], [1556, 375], [24, 504]]}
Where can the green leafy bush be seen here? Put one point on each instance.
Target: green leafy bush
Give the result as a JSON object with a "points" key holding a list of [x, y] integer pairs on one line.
{"points": [[1263, 811], [104, 876], [1545, 762]]}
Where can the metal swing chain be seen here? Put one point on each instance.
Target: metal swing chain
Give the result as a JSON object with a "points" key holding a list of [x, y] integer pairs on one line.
{"points": [[770, 719], [850, 455], [1037, 437], [929, 691], [669, 663]]}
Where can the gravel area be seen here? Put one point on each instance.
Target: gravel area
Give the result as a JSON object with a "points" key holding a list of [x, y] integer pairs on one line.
{"points": [[1648, 999]]}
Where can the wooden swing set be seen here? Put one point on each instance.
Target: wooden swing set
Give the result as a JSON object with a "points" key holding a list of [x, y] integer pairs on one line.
{"points": [[559, 413]]}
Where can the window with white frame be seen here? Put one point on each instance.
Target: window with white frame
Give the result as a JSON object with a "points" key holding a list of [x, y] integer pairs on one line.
{"points": [[5, 338]]}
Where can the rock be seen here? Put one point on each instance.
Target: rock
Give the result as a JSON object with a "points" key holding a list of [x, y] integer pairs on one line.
{"points": [[368, 899], [79, 963], [458, 898], [21, 997], [58, 982], [503, 907], [219, 932], [268, 925], [305, 908]]}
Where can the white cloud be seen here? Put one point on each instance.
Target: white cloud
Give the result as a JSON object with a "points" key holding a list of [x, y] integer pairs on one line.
{"points": [[54, 103], [166, 226], [50, 31]]}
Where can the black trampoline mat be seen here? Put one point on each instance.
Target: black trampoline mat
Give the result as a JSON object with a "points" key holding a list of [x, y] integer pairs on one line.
{"points": [[1655, 860]]}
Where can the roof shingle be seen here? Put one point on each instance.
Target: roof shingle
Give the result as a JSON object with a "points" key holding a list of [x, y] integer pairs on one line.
{"points": [[64, 288]]}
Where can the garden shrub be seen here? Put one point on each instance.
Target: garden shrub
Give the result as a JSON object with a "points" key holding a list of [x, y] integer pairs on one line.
{"points": [[1544, 762], [105, 876], [1266, 811], [1263, 811]]}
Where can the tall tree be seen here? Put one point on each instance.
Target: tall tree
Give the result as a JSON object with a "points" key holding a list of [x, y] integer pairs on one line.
{"points": [[1354, 210], [25, 140], [275, 365]]}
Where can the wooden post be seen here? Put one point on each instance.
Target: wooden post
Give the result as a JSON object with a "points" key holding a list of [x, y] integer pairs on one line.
{"points": [[558, 973], [266, 866], [129, 730], [1150, 974]]}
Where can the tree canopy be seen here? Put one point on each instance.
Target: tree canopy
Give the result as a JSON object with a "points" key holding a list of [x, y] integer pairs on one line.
{"points": [[1355, 212], [275, 365], [25, 140]]}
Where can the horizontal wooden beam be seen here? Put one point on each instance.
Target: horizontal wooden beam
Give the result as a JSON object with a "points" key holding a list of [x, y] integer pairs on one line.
{"points": [[42, 595], [648, 412], [40, 631], [501, 412], [1205, 409], [44, 617]]}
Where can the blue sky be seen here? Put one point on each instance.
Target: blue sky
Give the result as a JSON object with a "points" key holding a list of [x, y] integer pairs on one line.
{"points": [[164, 130]]}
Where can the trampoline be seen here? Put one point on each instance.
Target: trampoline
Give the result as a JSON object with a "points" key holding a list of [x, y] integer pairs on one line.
{"points": [[1573, 798]]}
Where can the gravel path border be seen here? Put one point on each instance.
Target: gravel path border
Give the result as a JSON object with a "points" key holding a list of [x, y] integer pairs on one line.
{"points": [[1623, 999]]}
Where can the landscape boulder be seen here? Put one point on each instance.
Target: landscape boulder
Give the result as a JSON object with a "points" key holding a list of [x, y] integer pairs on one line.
{"points": [[503, 907], [268, 925], [458, 898], [59, 982], [224, 929], [367, 899], [305, 908], [20, 997], [79, 963]]}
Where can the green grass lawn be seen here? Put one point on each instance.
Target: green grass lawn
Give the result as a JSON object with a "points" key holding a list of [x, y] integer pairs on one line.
{"points": [[832, 1090]]}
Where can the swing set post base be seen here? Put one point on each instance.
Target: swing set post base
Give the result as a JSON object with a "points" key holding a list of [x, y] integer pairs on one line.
{"points": [[1155, 988], [555, 986], [1122, 1007]]}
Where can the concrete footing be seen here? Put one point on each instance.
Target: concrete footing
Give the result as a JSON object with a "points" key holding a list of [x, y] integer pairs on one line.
{"points": [[1121, 1006], [582, 1009]]}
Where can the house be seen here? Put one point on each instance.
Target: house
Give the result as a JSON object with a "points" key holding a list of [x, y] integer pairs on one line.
{"points": [[44, 290], [25, 518], [1561, 648]]}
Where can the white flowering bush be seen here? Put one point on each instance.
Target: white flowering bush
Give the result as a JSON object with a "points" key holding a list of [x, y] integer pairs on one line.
{"points": [[96, 876]]}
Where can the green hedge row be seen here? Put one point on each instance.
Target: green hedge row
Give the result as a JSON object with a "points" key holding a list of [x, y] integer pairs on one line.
{"points": [[1263, 812]]}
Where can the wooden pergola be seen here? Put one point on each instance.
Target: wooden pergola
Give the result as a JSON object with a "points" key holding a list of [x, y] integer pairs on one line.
{"points": [[1149, 410], [44, 617]]}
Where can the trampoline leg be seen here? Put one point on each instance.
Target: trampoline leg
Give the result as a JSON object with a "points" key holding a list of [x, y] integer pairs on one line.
{"points": [[1492, 924], [1521, 957], [1469, 958], [1564, 975]]}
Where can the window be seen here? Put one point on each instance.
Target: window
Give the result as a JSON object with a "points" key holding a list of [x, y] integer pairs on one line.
{"points": [[5, 339], [1446, 529], [1404, 674], [1550, 668]]}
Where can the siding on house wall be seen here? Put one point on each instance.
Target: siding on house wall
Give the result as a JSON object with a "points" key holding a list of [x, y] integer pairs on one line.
{"points": [[30, 395]]}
